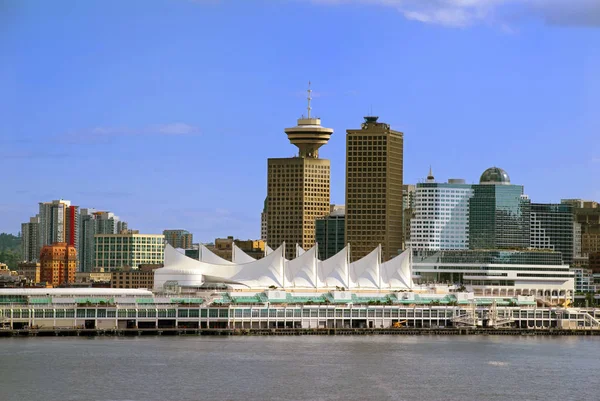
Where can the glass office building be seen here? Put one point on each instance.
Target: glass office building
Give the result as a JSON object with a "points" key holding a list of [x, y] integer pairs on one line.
{"points": [[552, 228], [499, 213], [329, 234]]}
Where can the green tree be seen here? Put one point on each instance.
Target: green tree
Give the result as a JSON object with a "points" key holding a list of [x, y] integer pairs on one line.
{"points": [[10, 250]]}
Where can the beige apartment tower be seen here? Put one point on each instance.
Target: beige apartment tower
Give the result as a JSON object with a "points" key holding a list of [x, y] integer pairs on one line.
{"points": [[298, 187], [374, 168]]}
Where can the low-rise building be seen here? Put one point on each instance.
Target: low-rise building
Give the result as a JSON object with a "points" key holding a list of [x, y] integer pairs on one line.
{"points": [[30, 270], [143, 277], [93, 277], [223, 247]]}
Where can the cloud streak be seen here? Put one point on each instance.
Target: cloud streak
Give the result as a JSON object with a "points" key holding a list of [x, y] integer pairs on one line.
{"points": [[463, 13], [107, 134]]}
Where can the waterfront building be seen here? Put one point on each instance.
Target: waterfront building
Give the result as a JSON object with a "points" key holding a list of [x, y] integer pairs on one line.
{"points": [[298, 187], [551, 227], [179, 238], [408, 205], [58, 264], [59, 222], [305, 272], [330, 232], [30, 270], [127, 277], [441, 215], [584, 280], [374, 168], [129, 248], [117, 309], [499, 213], [30, 244], [539, 273], [93, 222], [263, 222]]}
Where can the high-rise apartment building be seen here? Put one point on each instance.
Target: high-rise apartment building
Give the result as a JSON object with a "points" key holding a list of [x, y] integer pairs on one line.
{"points": [[298, 187], [551, 227], [587, 221], [128, 249], [58, 263], [30, 245], [179, 238], [441, 215], [499, 213], [330, 232], [59, 222], [94, 222], [374, 168]]}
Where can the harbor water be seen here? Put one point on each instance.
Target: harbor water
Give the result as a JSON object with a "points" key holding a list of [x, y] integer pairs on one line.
{"points": [[469, 368]]}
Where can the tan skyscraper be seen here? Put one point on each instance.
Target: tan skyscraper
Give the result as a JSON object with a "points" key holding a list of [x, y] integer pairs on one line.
{"points": [[374, 168], [298, 187]]}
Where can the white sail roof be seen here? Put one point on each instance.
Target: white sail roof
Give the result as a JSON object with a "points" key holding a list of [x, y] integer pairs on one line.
{"points": [[302, 271], [240, 257], [397, 272], [268, 249], [305, 271], [208, 256], [365, 272], [299, 250], [333, 272]]}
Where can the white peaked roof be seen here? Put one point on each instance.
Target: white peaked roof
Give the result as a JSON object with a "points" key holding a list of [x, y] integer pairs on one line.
{"points": [[302, 271], [299, 250], [333, 272], [240, 257], [305, 271], [268, 249], [365, 272], [208, 256], [397, 272]]}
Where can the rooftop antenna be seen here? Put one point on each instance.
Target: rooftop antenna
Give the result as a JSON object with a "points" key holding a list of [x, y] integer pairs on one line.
{"points": [[309, 99]]}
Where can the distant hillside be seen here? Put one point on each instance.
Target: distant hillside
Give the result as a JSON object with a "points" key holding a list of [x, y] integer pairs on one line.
{"points": [[10, 250]]}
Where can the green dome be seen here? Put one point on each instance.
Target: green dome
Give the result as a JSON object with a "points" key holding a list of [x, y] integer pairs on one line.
{"points": [[494, 175]]}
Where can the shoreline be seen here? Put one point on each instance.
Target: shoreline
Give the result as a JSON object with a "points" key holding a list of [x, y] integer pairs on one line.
{"points": [[72, 332]]}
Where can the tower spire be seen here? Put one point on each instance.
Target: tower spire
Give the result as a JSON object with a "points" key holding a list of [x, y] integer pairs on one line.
{"points": [[430, 177], [309, 99]]}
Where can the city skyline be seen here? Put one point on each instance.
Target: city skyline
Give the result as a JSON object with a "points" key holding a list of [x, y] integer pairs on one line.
{"points": [[170, 110]]}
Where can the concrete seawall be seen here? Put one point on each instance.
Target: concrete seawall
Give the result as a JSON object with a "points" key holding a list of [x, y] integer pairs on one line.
{"points": [[295, 332]]}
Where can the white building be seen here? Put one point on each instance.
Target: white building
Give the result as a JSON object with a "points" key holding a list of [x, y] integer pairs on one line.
{"points": [[441, 215]]}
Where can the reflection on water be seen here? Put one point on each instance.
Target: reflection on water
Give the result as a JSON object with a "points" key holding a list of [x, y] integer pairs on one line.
{"points": [[299, 368]]}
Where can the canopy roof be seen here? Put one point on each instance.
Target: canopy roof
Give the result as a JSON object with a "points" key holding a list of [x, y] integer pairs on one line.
{"points": [[305, 271]]}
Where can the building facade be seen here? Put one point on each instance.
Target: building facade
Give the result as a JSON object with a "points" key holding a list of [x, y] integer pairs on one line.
{"points": [[330, 232], [499, 213], [30, 270], [441, 215], [179, 238], [30, 245], [551, 227], [59, 223], [58, 264], [374, 171], [134, 278], [298, 187], [128, 249], [263, 222], [223, 247], [408, 205], [94, 222]]}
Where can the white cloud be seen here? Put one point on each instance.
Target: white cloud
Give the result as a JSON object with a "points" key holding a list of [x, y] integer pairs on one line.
{"points": [[462, 13]]}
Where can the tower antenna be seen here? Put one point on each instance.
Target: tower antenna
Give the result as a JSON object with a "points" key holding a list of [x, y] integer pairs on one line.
{"points": [[309, 99]]}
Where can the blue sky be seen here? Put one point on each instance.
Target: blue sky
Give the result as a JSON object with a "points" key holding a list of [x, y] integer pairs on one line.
{"points": [[165, 111]]}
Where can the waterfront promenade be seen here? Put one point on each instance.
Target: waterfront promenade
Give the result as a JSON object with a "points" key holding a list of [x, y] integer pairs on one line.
{"points": [[49, 332]]}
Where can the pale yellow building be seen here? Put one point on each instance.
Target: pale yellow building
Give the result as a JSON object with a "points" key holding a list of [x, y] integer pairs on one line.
{"points": [[298, 187], [128, 249], [374, 169]]}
